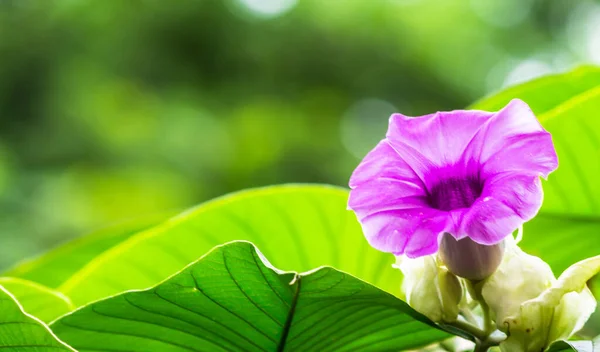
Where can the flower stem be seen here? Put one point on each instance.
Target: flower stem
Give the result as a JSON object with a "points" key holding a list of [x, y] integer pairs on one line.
{"points": [[488, 324], [470, 328], [483, 337], [480, 348]]}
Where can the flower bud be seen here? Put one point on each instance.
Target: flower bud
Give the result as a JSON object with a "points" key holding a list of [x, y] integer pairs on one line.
{"points": [[544, 320], [531, 306], [520, 277], [468, 259], [569, 300], [430, 288], [571, 314]]}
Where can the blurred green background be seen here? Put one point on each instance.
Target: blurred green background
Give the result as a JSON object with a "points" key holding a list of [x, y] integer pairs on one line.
{"points": [[118, 109]]}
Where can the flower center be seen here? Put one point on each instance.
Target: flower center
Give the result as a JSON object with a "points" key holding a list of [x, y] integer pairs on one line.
{"points": [[455, 193]]}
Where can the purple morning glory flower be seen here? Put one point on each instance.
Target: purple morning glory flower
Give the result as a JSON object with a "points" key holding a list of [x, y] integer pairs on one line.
{"points": [[468, 173]]}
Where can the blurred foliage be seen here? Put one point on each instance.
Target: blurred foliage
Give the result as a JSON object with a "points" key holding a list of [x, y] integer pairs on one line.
{"points": [[117, 109]]}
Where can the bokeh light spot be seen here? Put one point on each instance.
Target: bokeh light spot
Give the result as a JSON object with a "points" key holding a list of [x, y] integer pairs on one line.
{"points": [[506, 13], [364, 125], [527, 70], [583, 31], [593, 43], [269, 8]]}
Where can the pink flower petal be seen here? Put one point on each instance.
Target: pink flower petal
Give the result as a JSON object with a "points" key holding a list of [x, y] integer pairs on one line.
{"points": [[383, 162], [514, 140], [412, 232], [508, 200], [433, 144], [385, 182], [468, 173]]}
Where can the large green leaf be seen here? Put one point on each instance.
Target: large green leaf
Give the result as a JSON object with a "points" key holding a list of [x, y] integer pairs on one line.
{"points": [[299, 227], [21, 332], [230, 300], [545, 93], [37, 300], [52, 269], [567, 229]]}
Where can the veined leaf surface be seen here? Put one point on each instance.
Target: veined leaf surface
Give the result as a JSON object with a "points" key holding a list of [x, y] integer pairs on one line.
{"points": [[37, 300], [21, 332], [230, 300]]}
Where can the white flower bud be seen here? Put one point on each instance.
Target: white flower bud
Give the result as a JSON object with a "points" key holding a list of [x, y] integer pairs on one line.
{"points": [[532, 307], [430, 288], [572, 313], [520, 277], [567, 305]]}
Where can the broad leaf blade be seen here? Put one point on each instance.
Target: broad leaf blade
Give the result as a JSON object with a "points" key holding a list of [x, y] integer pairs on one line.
{"points": [[20, 332], [52, 269], [37, 300], [230, 300], [545, 93], [568, 106], [299, 227]]}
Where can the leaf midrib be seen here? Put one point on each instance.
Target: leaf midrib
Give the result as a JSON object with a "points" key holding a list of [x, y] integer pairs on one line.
{"points": [[290, 317]]}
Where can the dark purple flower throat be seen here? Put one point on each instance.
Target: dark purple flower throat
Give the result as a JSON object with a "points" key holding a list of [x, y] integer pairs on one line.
{"points": [[455, 193]]}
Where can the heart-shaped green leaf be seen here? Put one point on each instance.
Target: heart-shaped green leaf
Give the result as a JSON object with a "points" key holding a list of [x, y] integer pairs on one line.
{"points": [[230, 300], [21, 332], [37, 300], [567, 229], [299, 227]]}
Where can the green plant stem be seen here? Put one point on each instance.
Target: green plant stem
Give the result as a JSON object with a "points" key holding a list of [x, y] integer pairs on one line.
{"points": [[483, 338], [484, 344], [488, 324], [471, 329]]}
